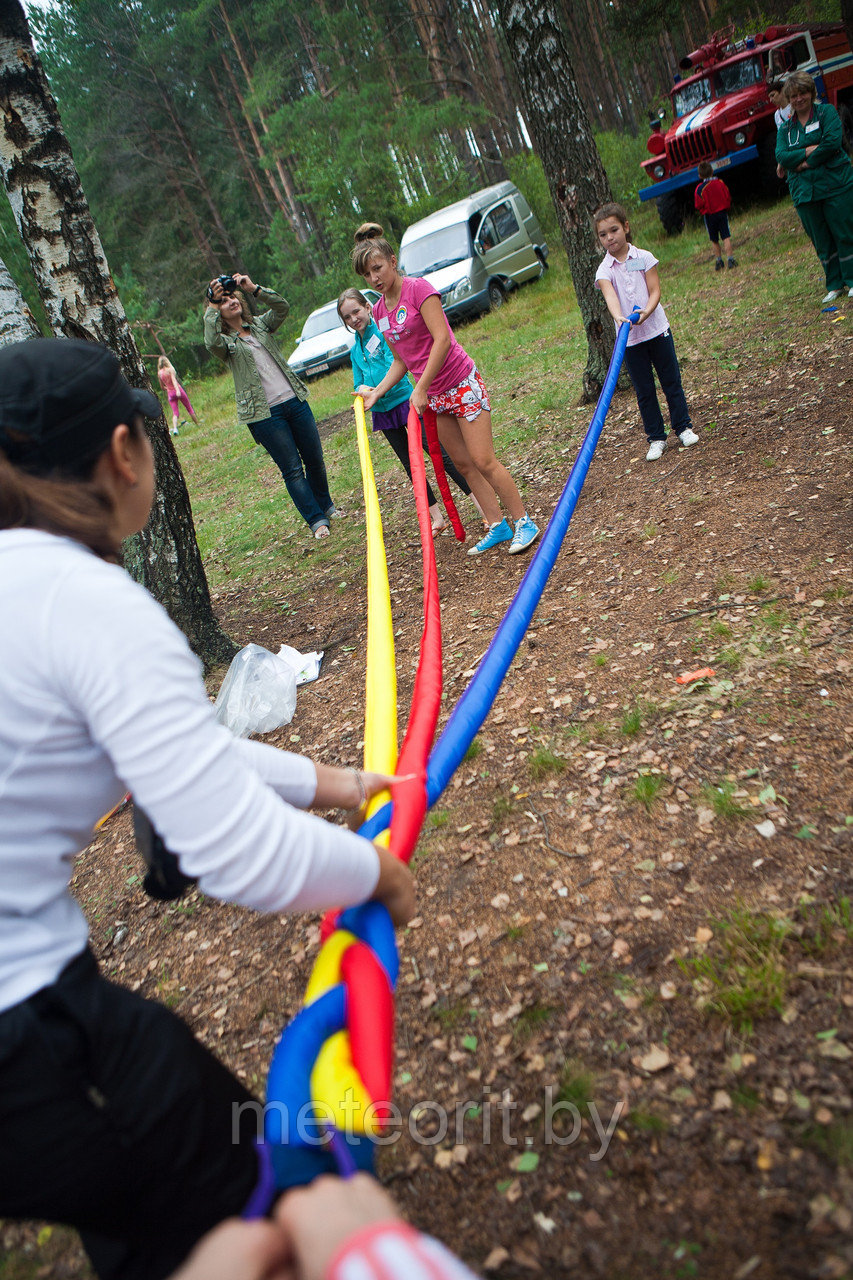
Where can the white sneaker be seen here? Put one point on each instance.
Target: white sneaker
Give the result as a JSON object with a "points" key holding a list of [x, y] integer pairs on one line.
{"points": [[688, 438], [656, 449], [831, 296], [850, 292]]}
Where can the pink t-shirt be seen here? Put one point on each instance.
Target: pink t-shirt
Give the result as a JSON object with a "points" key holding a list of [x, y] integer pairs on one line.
{"points": [[629, 280], [167, 381], [407, 335]]}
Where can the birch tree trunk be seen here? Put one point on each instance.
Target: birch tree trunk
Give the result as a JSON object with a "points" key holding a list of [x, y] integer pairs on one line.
{"points": [[81, 301], [16, 319], [562, 136]]}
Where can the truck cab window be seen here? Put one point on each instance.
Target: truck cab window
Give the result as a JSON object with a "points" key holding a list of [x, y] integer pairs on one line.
{"points": [[740, 75], [690, 97]]}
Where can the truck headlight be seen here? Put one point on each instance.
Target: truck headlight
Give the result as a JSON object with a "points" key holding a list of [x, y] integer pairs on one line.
{"points": [[659, 171], [460, 289], [740, 137]]}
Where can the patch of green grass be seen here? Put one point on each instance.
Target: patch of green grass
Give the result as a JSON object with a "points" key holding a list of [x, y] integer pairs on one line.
{"points": [[775, 617], [833, 1140], [454, 1015], [730, 658], [743, 975], [836, 593], [476, 749], [769, 463], [530, 1020], [600, 660], [646, 1121], [745, 1097], [438, 818], [543, 761], [579, 732], [577, 1084], [721, 798], [721, 629], [647, 788], [501, 809], [632, 720], [759, 584], [832, 926], [669, 576], [514, 932], [725, 582], [649, 531]]}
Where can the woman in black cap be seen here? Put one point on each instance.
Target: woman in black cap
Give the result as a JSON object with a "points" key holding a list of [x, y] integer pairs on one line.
{"points": [[114, 1119]]}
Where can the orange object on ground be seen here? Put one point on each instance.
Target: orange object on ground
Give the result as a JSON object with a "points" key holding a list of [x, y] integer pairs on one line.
{"points": [[690, 676]]}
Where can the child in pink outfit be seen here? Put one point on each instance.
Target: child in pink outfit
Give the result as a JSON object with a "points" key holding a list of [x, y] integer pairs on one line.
{"points": [[168, 376]]}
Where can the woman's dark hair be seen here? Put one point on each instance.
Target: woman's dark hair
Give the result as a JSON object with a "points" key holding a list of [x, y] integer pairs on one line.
{"points": [[367, 249], [705, 170], [612, 210], [65, 500]]}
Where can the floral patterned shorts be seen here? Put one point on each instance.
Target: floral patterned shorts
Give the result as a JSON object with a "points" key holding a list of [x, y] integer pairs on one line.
{"points": [[468, 400]]}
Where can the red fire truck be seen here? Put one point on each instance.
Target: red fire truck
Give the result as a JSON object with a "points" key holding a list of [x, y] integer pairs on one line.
{"points": [[721, 112]]}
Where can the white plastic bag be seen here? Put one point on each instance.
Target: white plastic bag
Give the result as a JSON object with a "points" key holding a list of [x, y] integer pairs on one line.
{"points": [[258, 693]]}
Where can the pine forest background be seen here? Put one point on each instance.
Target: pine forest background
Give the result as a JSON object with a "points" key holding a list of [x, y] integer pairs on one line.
{"points": [[216, 135]]}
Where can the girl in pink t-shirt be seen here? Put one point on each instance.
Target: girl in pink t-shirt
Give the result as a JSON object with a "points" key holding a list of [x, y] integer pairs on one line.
{"points": [[411, 320], [628, 278], [168, 376]]}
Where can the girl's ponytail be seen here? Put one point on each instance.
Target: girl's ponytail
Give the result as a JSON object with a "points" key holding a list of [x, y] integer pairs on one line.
{"points": [[369, 231]]}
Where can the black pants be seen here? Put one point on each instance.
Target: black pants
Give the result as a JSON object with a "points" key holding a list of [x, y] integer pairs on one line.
{"points": [[643, 360], [398, 439], [116, 1121]]}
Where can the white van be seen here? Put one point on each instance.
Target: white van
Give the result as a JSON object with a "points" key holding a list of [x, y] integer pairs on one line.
{"points": [[474, 251]]}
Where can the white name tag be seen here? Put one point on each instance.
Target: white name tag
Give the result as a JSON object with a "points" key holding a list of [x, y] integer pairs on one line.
{"points": [[384, 324], [634, 264], [373, 343], [810, 128]]}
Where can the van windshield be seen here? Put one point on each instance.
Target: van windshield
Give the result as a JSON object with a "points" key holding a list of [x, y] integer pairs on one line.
{"points": [[436, 249]]}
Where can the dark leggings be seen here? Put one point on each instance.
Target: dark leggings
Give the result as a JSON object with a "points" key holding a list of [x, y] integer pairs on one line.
{"points": [[117, 1121], [398, 439]]}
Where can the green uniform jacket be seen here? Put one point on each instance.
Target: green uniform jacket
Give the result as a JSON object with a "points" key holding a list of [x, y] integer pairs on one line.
{"points": [[828, 169], [226, 346]]}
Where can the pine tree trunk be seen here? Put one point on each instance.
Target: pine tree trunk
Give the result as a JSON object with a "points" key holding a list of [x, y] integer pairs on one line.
{"points": [[563, 139], [16, 319], [80, 299]]}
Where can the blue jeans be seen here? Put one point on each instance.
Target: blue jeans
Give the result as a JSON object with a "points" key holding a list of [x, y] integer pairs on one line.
{"points": [[643, 360], [290, 437]]}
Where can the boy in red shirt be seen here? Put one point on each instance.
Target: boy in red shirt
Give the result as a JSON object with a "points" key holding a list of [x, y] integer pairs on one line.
{"points": [[713, 200]]}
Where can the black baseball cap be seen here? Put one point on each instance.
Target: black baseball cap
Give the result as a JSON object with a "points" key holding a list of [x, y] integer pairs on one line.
{"points": [[60, 400]]}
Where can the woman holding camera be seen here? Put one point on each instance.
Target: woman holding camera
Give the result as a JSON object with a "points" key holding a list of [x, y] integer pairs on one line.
{"points": [[271, 400]]}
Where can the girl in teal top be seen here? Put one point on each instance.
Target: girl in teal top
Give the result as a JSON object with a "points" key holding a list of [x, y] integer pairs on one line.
{"points": [[371, 359]]}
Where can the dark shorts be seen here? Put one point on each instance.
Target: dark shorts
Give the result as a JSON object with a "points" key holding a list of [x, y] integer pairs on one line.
{"points": [[117, 1121], [717, 226], [392, 419]]}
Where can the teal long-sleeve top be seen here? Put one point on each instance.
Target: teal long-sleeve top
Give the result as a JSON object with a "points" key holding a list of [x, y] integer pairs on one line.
{"points": [[371, 359], [828, 170]]}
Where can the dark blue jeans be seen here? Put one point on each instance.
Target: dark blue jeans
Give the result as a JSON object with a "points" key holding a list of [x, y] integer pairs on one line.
{"points": [[645, 359], [290, 437]]}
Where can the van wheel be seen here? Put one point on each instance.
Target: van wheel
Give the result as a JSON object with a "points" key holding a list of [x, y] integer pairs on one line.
{"points": [[496, 296], [543, 262]]}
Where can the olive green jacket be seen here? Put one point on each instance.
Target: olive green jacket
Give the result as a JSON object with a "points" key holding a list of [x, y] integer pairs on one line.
{"points": [[225, 344], [828, 170]]}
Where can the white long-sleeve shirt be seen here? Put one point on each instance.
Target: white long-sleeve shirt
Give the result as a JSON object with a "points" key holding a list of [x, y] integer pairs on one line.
{"points": [[99, 695], [395, 1251]]}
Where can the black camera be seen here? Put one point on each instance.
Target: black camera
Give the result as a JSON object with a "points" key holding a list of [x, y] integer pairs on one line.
{"points": [[227, 283]]}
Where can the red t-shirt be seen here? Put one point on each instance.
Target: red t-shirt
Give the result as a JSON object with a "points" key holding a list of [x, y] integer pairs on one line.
{"points": [[712, 196], [406, 333]]}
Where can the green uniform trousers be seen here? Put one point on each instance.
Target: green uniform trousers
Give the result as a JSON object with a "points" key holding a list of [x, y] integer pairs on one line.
{"points": [[829, 225]]}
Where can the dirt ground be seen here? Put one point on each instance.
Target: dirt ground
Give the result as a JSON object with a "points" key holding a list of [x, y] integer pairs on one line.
{"points": [[618, 850]]}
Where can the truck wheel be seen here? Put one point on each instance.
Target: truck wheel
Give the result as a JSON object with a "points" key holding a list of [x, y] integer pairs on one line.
{"points": [[496, 296], [846, 117], [769, 182], [671, 213]]}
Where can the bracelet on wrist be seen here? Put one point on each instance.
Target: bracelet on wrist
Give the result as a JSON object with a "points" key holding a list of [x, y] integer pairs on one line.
{"points": [[256, 291], [359, 781]]}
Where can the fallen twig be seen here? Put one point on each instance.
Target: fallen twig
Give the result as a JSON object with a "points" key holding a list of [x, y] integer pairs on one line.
{"points": [[564, 852]]}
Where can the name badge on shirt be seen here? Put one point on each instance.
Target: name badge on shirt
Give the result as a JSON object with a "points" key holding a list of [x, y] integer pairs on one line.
{"points": [[634, 264], [810, 128], [372, 343], [384, 324]]}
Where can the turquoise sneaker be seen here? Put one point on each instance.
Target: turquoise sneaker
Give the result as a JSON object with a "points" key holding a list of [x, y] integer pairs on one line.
{"points": [[526, 533], [498, 533]]}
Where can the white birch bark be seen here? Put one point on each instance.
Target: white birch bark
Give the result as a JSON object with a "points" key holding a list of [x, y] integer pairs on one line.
{"points": [[16, 319]]}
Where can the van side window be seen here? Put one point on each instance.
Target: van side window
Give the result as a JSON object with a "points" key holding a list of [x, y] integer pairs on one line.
{"points": [[505, 221], [487, 237]]}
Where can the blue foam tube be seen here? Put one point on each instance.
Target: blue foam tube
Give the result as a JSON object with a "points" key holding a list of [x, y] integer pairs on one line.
{"points": [[476, 701]]}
